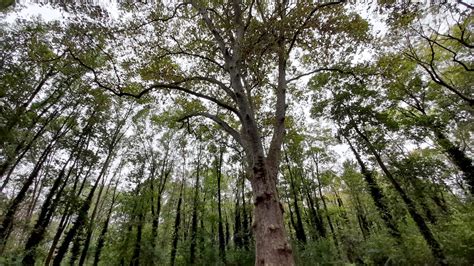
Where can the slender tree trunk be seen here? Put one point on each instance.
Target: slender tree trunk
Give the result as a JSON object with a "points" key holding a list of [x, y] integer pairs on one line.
{"points": [[9, 217], [246, 234], [103, 233], [77, 226], [67, 212], [177, 223], [62, 226], [81, 219], [377, 195], [156, 217], [92, 225], [194, 218], [299, 228], [50, 205], [419, 221], [237, 223], [219, 207], [47, 210], [315, 216], [25, 145], [138, 242], [328, 218]]}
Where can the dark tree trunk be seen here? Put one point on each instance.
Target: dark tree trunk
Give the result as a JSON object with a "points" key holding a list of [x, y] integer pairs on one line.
{"points": [[81, 219], [219, 207], [177, 223], [419, 221], [9, 217], [458, 157], [299, 228], [227, 232], [237, 223], [328, 218], [103, 233], [67, 214], [62, 225], [76, 227], [377, 195], [47, 210], [246, 234], [315, 216], [92, 225], [25, 145], [90, 228], [137, 248], [194, 218]]}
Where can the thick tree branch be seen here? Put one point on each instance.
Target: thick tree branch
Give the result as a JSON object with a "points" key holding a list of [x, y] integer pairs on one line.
{"points": [[173, 86], [227, 128], [215, 32]]}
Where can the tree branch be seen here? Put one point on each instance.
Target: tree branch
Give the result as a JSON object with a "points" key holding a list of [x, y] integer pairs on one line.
{"points": [[173, 86], [306, 20], [218, 121]]}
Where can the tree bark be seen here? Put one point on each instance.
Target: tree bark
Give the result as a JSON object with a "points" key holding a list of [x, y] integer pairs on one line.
{"points": [[272, 247]]}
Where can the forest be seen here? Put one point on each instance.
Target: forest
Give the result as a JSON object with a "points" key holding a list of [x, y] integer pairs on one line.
{"points": [[236, 132]]}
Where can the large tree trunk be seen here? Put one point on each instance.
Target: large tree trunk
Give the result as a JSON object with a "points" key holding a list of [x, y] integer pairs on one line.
{"points": [[272, 247]]}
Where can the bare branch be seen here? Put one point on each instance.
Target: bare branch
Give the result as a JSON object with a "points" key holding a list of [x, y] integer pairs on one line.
{"points": [[322, 70]]}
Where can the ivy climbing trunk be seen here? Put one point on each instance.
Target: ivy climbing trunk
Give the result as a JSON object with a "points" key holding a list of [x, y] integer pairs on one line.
{"points": [[425, 231]]}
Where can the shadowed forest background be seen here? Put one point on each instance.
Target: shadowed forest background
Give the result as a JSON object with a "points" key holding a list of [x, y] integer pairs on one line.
{"points": [[237, 133]]}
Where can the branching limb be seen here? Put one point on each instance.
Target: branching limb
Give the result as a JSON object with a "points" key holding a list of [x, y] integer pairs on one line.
{"points": [[173, 86], [227, 128], [323, 69], [307, 19]]}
